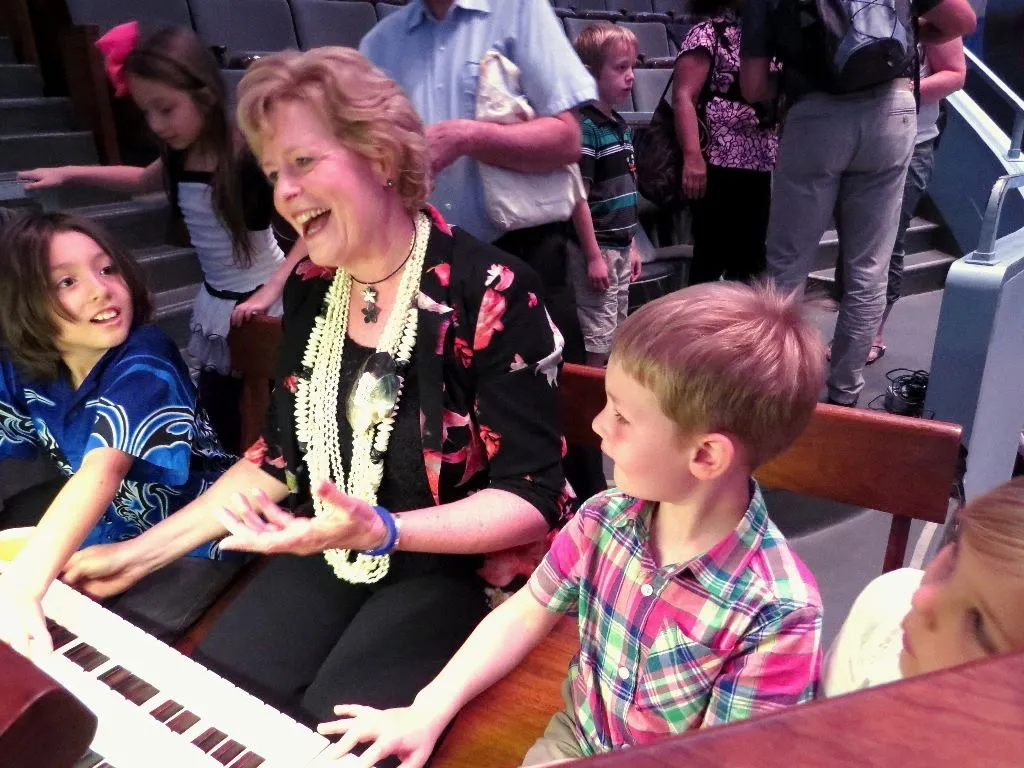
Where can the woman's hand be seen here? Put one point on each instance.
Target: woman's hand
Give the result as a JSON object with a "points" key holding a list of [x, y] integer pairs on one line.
{"points": [[104, 570], [695, 176], [43, 178], [264, 527], [409, 733], [257, 304], [22, 624]]}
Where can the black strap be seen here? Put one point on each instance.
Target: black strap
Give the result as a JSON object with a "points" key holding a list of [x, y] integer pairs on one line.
{"points": [[234, 296]]}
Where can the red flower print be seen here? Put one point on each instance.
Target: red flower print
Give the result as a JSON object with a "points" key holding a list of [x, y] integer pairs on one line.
{"points": [[277, 461], [502, 275], [531, 299], [256, 452], [443, 272], [307, 270], [463, 352], [501, 567], [451, 419], [291, 383], [438, 219], [492, 440], [564, 446], [442, 333], [432, 463], [517, 363], [492, 309]]}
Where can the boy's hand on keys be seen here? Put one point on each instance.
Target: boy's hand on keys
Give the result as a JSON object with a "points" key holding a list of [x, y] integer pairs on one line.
{"points": [[22, 624], [409, 733]]}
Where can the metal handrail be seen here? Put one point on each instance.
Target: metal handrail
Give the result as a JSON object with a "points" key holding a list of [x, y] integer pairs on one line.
{"points": [[1007, 94], [985, 252]]}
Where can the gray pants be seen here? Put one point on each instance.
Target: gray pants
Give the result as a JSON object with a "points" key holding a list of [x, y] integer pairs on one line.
{"points": [[846, 155]]}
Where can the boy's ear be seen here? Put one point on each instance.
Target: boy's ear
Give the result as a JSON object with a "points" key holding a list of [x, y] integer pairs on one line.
{"points": [[713, 454]]}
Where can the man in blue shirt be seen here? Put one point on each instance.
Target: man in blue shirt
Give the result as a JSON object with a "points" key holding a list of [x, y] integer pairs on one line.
{"points": [[432, 48]]}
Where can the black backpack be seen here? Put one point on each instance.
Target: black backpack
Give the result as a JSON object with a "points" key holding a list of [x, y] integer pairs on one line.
{"points": [[844, 46]]}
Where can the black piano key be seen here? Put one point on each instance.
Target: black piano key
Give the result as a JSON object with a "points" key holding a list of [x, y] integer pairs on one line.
{"points": [[166, 711], [87, 657], [248, 760], [115, 677], [227, 752], [183, 722], [209, 739], [89, 760], [138, 691], [61, 636]]}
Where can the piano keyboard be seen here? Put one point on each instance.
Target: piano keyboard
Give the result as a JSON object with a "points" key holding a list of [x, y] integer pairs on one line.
{"points": [[157, 708]]}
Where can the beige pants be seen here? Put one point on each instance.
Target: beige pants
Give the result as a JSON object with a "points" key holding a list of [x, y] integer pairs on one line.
{"points": [[558, 744]]}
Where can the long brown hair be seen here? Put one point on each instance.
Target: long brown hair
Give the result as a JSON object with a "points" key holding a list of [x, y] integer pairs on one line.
{"points": [[28, 330], [175, 57]]}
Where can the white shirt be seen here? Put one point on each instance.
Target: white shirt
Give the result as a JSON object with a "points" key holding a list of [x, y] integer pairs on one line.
{"points": [[866, 652]]}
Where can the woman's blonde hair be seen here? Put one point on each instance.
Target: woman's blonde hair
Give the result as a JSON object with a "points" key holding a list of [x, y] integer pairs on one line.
{"points": [[727, 357], [366, 111], [992, 525]]}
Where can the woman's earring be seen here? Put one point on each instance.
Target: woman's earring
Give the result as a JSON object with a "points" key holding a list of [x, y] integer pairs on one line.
{"points": [[389, 183]]}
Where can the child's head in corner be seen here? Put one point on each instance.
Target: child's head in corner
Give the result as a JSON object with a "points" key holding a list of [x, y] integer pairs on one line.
{"points": [[69, 294], [609, 51], [970, 601], [706, 384]]}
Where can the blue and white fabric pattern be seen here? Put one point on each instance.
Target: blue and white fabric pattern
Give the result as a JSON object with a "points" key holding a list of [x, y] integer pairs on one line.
{"points": [[138, 399]]}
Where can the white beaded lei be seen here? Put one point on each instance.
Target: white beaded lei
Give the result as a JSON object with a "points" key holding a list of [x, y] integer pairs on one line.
{"points": [[317, 401]]}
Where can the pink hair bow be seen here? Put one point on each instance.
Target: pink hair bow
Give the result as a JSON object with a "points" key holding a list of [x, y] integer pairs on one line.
{"points": [[115, 46]]}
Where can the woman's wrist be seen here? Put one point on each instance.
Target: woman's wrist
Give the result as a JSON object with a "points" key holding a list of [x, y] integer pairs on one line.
{"points": [[388, 542]]}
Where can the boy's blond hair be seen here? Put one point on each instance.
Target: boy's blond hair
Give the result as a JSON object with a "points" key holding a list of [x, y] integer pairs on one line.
{"points": [[595, 41], [727, 357]]}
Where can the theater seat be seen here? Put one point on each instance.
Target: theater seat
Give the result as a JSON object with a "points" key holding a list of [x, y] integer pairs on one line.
{"points": [[244, 25], [384, 9], [151, 14], [648, 87], [330, 22]]}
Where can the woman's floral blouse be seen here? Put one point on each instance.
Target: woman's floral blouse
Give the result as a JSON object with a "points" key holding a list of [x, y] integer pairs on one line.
{"points": [[487, 357]]}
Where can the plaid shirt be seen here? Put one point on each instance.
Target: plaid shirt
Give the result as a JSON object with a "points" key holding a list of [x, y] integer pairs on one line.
{"points": [[729, 634]]}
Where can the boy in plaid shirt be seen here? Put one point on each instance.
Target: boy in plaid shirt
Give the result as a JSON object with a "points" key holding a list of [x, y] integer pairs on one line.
{"points": [[692, 608]]}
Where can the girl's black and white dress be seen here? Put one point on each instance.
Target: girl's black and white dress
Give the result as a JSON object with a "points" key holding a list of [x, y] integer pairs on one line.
{"points": [[225, 281]]}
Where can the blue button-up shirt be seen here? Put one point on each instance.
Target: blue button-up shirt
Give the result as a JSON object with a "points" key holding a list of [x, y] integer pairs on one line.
{"points": [[437, 62]]}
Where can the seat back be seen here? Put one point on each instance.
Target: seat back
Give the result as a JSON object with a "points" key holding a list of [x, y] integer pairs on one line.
{"points": [[244, 26], [651, 38], [386, 9], [254, 348], [151, 14], [648, 86], [330, 22]]}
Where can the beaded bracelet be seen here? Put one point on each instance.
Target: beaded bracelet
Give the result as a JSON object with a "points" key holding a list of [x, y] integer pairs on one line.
{"points": [[393, 524]]}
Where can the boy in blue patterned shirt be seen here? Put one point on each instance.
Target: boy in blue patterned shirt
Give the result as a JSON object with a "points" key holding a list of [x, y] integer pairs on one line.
{"points": [[605, 223]]}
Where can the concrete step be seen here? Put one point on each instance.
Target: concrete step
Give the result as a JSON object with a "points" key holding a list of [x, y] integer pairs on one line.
{"points": [[20, 151], [922, 235], [922, 272], [7, 51], [19, 81], [173, 311], [136, 224], [167, 267], [35, 114], [14, 195]]}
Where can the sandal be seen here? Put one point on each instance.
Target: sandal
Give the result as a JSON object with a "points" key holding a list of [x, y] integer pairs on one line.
{"points": [[875, 354]]}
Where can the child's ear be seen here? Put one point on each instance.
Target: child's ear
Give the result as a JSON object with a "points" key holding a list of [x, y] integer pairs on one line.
{"points": [[713, 454]]}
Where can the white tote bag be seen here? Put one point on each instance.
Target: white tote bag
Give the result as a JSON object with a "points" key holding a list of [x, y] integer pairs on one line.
{"points": [[515, 200]]}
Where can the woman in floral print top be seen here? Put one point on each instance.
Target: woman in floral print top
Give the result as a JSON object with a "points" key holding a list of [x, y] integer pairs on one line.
{"points": [[727, 170], [472, 464]]}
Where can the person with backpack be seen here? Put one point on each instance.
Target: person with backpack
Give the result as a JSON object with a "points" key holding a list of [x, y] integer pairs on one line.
{"points": [[850, 82]]}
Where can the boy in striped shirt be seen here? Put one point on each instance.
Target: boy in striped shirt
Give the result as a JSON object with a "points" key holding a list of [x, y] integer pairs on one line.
{"points": [[692, 608], [606, 261]]}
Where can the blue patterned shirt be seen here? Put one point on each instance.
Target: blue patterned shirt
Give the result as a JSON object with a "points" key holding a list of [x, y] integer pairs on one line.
{"points": [[437, 63], [138, 399]]}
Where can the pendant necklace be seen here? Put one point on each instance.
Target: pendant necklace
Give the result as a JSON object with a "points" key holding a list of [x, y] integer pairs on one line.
{"points": [[369, 294]]}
